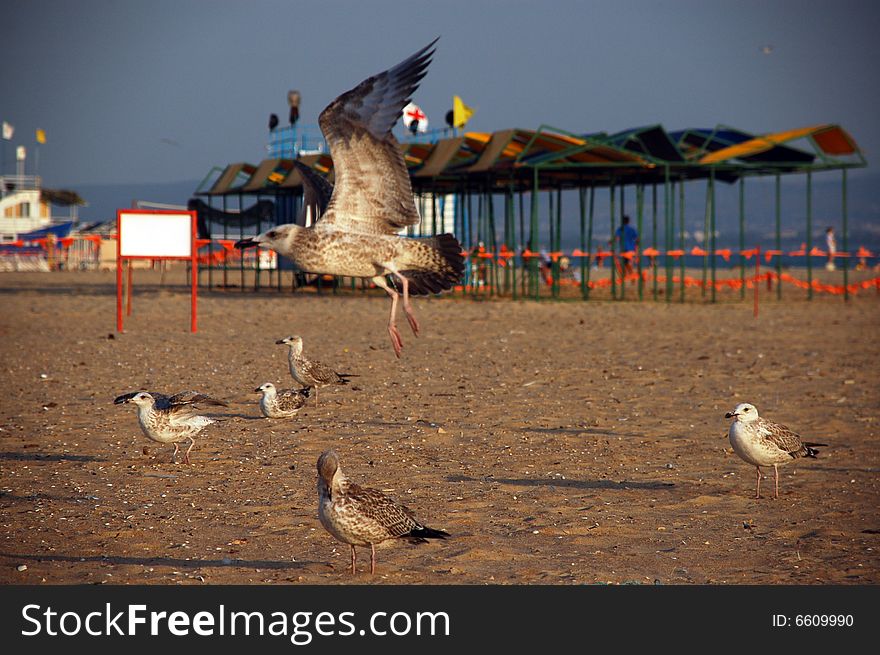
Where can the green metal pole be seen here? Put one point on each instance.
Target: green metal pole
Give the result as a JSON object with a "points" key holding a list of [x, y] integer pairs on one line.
{"points": [[557, 246], [590, 239], [481, 238], [622, 260], [809, 234], [225, 237], [654, 242], [475, 262], [742, 237], [583, 246], [613, 246], [533, 238], [241, 236], [492, 242], [706, 214], [509, 241], [681, 239], [712, 237], [778, 236], [551, 242], [522, 239], [640, 210], [845, 240], [667, 212]]}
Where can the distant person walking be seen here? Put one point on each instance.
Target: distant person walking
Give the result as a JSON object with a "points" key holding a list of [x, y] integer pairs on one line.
{"points": [[831, 245], [628, 240]]}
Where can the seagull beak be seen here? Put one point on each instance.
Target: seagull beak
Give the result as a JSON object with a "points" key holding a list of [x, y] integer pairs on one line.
{"points": [[730, 415], [257, 390], [246, 243], [280, 341]]}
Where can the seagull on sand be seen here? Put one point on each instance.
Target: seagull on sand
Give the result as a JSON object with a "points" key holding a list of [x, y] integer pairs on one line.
{"points": [[363, 517], [281, 403], [358, 234], [307, 372], [764, 443], [170, 419]]}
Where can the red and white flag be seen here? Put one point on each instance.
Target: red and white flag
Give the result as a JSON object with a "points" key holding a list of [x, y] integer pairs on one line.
{"points": [[412, 112]]}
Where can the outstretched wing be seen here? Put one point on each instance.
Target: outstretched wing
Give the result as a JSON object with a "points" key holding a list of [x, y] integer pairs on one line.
{"points": [[316, 191], [372, 192]]}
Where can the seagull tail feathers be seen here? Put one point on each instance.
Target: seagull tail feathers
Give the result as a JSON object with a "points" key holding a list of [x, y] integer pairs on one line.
{"points": [[421, 534], [437, 265]]}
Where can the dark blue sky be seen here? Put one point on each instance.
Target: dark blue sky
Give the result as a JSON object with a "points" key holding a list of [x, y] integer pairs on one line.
{"points": [[161, 91]]}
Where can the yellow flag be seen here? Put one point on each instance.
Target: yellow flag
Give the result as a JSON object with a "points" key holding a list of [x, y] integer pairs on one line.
{"points": [[461, 113], [41, 136]]}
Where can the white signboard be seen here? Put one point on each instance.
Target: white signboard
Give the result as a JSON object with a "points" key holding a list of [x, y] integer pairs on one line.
{"points": [[147, 234]]}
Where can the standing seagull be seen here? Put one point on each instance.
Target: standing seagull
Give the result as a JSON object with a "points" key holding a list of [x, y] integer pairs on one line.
{"points": [[281, 403], [307, 372], [170, 419], [764, 443], [363, 517], [372, 201]]}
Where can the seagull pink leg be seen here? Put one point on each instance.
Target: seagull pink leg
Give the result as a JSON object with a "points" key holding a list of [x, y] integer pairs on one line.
{"points": [[353, 560], [192, 442], [776, 471], [174, 456], [396, 341], [372, 559], [758, 490], [407, 307]]}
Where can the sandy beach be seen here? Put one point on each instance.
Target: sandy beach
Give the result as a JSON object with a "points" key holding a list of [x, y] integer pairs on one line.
{"points": [[558, 442]]}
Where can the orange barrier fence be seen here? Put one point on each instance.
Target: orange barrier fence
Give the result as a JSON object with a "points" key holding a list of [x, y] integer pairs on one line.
{"points": [[504, 254], [724, 253], [750, 282]]}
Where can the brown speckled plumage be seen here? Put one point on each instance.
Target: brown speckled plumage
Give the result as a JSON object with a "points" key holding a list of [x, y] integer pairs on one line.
{"points": [[359, 516]]}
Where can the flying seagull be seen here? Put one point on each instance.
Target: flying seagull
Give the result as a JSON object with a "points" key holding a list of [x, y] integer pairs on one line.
{"points": [[363, 517], [372, 200], [170, 419], [764, 443]]}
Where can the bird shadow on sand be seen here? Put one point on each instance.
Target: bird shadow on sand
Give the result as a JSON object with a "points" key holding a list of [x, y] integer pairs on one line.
{"points": [[49, 457], [577, 431], [141, 289], [246, 417], [172, 562], [40, 497], [623, 485]]}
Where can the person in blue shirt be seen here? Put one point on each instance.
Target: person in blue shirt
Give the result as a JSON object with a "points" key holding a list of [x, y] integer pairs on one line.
{"points": [[628, 240]]}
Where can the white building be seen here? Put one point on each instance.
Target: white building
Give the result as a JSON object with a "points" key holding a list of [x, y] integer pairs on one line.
{"points": [[25, 206]]}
